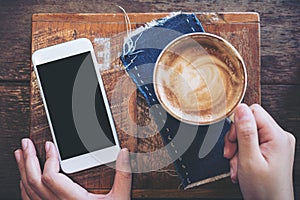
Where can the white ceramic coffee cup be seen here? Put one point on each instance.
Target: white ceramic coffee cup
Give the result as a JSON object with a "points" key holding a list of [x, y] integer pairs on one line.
{"points": [[200, 78]]}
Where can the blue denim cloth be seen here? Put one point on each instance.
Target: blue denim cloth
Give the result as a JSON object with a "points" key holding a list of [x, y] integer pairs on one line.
{"points": [[139, 57]]}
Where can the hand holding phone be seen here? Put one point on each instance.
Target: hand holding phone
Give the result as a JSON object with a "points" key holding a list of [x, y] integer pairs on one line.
{"points": [[50, 184]]}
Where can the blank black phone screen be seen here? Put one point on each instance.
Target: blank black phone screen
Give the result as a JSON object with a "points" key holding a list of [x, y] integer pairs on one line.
{"points": [[75, 105]]}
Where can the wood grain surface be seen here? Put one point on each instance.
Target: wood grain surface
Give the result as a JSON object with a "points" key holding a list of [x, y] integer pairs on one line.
{"points": [[141, 136], [280, 69]]}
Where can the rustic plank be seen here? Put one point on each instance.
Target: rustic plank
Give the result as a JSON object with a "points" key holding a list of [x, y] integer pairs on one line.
{"points": [[279, 30], [214, 18], [282, 102], [14, 115], [227, 190]]}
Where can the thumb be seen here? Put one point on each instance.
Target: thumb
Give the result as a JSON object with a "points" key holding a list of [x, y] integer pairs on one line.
{"points": [[122, 183], [247, 135]]}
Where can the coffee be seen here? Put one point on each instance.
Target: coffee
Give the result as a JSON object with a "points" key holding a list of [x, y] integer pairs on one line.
{"points": [[200, 78]]}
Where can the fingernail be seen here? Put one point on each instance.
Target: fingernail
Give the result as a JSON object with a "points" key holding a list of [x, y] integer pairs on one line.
{"points": [[24, 143], [231, 174], [47, 146], [242, 112], [125, 155], [225, 151], [125, 149], [233, 180], [17, 155]]}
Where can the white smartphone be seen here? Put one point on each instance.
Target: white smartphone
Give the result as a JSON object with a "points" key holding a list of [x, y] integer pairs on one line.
{"points": [[76, 105]]}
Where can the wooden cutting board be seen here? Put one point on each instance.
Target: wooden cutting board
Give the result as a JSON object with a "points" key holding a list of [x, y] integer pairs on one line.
{"points": [[135, 128]]}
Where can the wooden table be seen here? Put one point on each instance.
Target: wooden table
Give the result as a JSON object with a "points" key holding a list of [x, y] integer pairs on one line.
{"points": [[280, 82]]}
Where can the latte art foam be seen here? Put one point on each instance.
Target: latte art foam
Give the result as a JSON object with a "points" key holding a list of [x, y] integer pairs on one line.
{"points": [[199, 83]]}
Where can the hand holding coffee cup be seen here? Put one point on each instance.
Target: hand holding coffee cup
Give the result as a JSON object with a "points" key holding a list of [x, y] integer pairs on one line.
{"points": [[199, 78]]}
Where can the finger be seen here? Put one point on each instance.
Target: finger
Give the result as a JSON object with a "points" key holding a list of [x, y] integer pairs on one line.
{"points": [[33, 171], [247, 135], [58, 183], [230, 147], [52, 163], [232, 137], [123, 177], [266, 125], [20, 161], [24, 195], [234, 169]]}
